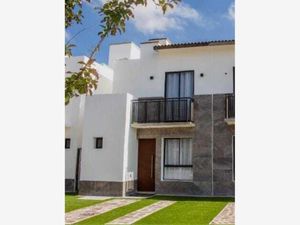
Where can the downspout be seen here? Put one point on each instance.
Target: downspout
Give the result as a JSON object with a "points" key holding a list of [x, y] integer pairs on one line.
{"points": [[79, 142]]}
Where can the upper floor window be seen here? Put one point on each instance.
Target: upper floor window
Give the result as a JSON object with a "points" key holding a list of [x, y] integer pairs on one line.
{"points": [[67, 143], [179, 84]]}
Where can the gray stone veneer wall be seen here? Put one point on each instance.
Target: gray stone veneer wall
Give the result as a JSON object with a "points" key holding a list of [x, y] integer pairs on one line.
{"points": [[212, 154], [223, 179], [69, 185], [106, 188], [130, 187]]}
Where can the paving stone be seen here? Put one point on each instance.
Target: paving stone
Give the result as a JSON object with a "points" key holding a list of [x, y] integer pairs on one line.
{"points": [[226, 216], [94, 210], [141, 213], [94, 197]]}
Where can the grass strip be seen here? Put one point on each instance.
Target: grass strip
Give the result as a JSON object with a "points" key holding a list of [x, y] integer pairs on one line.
{"points": [[73, 202], [186, 210], [116, 213]]}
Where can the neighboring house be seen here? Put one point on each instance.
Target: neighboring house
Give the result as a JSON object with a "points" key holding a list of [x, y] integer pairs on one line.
{"points": [[74, 113], [166, 127]]}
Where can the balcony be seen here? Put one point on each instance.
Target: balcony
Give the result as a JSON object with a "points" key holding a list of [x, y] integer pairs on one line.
{"points": [[162, 113], [230, 109]]}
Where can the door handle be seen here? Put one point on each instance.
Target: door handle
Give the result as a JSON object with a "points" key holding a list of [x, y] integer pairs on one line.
{"points": [[151, 170]]}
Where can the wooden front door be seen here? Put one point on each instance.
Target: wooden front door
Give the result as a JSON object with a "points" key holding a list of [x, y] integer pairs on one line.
{"points": [[146, 165]]}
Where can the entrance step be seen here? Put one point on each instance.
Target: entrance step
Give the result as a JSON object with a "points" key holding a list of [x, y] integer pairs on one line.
{"points": [[94, 210], [141, 213]]}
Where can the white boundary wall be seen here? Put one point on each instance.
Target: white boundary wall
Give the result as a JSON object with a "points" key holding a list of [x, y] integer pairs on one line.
{"points": [[108, 116], [74, 111]]}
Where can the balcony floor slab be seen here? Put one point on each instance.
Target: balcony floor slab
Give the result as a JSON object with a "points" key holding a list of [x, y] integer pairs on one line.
{"points": [[163, 125]]}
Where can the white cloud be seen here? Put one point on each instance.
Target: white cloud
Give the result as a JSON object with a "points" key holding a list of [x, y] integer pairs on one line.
{"points": [[150, 19], [231, 11]]}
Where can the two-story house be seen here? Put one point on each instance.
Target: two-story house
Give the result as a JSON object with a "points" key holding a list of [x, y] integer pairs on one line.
{"points": [[166, 126]]}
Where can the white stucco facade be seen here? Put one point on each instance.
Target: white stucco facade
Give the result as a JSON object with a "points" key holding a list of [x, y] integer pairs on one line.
{"points": [[107, 114], [215, 62], [74, 111], [111, 122]]}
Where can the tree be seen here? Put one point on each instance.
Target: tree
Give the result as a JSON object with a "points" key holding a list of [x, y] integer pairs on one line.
{"points": [[114, 14]]}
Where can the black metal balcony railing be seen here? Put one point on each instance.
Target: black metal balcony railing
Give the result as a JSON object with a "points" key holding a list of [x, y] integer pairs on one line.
{"points": [[158, 110], [229, 106]]}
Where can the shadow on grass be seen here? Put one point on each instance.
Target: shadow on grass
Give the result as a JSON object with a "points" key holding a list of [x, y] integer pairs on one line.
{"points": [[70, 194]]}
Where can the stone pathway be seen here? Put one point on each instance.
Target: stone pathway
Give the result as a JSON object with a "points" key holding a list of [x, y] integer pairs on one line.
{"points": [[94, 197], [141, 213], [226, 216], [94, 210]]}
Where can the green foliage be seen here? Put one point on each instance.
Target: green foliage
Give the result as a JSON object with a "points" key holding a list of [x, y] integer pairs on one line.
{"points": [[72, 202], [68, 49], [114, 14], [82, 82], [73, 12]]}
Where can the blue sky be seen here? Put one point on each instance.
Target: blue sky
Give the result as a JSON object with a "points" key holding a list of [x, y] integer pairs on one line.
{"points": [[191, 20]]}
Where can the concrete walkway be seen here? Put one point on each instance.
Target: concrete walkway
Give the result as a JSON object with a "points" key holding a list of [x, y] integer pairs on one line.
{"points": [[94, 210], [94, 197], [226, 216], [141, 213]]}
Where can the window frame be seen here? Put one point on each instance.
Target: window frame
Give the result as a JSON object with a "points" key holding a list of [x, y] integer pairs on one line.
{"points": [[96, 143], [174, 166], [67, 143], [182, 71]]}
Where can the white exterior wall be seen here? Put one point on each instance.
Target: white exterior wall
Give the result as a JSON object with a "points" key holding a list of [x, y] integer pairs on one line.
{"points": [[105, 82], [130, 145], [123, 51], [74, 111], [106, 74], [72, 131], [108, 116], [133, 75]]}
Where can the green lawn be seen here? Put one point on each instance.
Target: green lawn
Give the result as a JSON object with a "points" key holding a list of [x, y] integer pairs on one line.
{"points": [[190, 211], [72, 202], [114, 214], [186, 210]]}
